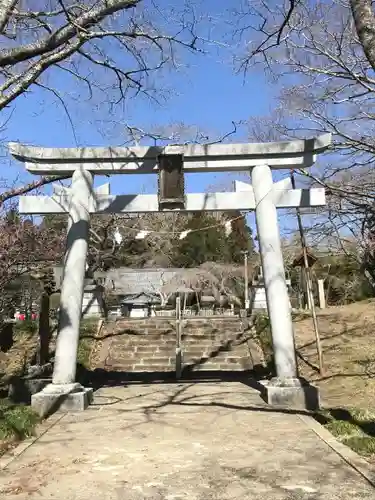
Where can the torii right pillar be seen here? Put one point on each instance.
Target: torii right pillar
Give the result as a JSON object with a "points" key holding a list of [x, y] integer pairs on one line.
{"points": [[286, 389]]}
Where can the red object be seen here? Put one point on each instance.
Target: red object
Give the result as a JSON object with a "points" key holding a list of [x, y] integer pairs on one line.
{"points": [[33, 316], [21, 317]]}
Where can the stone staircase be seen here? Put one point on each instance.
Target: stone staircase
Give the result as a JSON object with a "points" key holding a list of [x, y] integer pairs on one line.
{"points": [[149, 345], [217, 344], [140, 345]]}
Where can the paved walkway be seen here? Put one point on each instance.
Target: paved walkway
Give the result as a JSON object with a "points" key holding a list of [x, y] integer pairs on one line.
{"points": [[181, 441]]}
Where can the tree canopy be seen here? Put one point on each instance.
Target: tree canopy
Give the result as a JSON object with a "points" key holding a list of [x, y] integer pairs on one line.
{"points": [[212, 244]]}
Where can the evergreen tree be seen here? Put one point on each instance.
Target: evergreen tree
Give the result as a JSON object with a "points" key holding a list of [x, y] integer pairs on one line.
{"points": [[201, 245], [240, 239], [213, 245]]}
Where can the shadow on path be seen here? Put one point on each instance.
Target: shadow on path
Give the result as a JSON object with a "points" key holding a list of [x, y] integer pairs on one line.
{"points": [[99, 378]]}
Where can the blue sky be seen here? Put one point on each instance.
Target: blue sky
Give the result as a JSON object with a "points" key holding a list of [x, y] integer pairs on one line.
{"points": [[209, 95], [212, 99]]}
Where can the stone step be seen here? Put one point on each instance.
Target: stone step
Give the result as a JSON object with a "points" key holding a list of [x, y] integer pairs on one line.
{"points": [[205, 342], [142, 339], [212, 322], [146, 331], [213, 355], [115, 365], [186, 322], [140, 368], [213, 367], [158, 360], [207, 331], [209, 349], [215, 349], [141, 360], [144, 334], [156, 332], [186, 347], [229, 357], [144, 328], [154, 369], [144, 345], [171, 352], [160, 351], [148, 337], [135, 355], [215, 340], [205, 354], [150, 357], [142, 355], [218, 339]]}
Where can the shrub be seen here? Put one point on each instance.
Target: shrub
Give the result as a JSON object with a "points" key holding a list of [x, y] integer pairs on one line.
{"points": [[16, 421]]}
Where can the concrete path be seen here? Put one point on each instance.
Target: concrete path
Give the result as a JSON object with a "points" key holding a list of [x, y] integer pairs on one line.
{"points": [[181, 441]]}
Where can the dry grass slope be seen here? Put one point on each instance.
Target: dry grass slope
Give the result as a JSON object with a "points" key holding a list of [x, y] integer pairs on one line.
{"points": [[348, 334]]}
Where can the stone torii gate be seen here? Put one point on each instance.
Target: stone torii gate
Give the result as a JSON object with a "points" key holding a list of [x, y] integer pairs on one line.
{"points": [[81, 200]]}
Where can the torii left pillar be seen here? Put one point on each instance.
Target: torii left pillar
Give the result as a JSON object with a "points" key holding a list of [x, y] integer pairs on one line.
{"points": [[64, 393]]}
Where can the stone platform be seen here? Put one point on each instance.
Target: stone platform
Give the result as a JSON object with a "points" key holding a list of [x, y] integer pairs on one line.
{"points": [[293, 393], [69, 397]]}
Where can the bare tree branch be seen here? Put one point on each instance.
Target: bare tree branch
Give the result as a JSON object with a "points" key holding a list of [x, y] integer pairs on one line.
{"points": [[93, 41], [27, 188], [77, 26]]}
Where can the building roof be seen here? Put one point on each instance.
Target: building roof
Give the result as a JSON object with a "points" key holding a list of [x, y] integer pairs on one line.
{"points": [[141, 299], [125, 281], [152, 281], [299, 260]]}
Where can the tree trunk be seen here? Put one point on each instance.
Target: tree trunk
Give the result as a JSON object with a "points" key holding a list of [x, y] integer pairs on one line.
{"points": [[364, 21], [370, 278], [44, 329]]}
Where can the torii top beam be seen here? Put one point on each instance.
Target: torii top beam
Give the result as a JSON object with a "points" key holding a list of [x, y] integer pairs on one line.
{"points": [[197, 158]]}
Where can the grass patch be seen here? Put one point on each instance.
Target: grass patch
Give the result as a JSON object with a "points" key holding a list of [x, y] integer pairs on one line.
{"points": [[363, 445], [263, 333], [88, 327], [340, 428], [353, 427], [84, 351], [17, 422], [28, 327], [87, 338]]}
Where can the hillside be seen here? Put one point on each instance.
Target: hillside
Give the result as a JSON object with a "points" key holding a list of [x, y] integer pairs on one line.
{"points": [[348, 341]]}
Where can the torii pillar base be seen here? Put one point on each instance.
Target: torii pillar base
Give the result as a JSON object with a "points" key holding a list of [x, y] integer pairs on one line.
{"points": [[64, 397], [291, 393]]}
